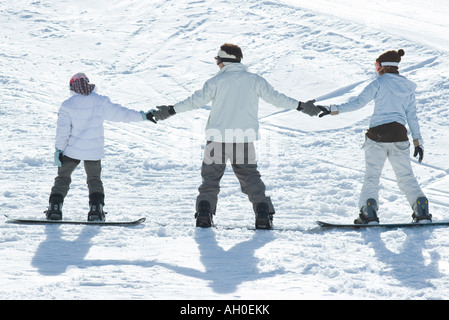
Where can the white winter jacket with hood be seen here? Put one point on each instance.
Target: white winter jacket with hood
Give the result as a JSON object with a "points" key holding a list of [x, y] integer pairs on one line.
{"points": [[234, 93], [80, 131], [394, 101]]}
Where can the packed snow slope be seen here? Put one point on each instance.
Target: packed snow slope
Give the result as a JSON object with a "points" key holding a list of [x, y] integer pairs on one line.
{"points": [[147, 53]]}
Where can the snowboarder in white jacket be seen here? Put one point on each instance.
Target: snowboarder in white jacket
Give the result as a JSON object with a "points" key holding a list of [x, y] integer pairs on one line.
{"points": [[394, 107], [80, 137], [231, 130]]}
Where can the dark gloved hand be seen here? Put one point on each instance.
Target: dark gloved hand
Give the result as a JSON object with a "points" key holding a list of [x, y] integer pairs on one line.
{"points": [[419, 150], [308, 107], [324, 111], [163, 112], [150, 116]]}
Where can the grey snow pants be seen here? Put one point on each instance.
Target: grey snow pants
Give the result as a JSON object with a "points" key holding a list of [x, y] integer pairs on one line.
{"points": [[243, 160], [62, 181]]}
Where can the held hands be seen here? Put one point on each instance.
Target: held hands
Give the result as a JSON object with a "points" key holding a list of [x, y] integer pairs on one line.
{"points": [[162, 113], [148, 116], [308, 107], [332, 110]]}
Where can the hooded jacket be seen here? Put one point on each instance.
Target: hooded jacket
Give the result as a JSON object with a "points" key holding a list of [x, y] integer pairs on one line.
{"points": [[80, 131], [234, 93], [394, 101]]}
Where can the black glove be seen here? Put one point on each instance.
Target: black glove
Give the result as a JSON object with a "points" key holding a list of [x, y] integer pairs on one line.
{"points": [[150, 116], [324, 110], [419, 150], [308, 107], [163, 112]]}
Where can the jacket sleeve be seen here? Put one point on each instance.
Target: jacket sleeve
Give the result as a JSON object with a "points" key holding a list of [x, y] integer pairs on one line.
{"points": [[63, 129], [270, 95], [117, 113], [412, 119], [368, 94], [198, 99]]}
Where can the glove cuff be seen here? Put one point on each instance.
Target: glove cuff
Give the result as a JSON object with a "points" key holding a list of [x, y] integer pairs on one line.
{"points": [[333, 109]]}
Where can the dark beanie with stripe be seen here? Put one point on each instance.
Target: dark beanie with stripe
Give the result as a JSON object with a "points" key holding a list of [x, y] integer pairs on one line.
{"points": [[390, 58]]}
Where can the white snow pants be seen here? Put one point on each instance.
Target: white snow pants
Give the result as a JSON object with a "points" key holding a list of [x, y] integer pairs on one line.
{"points": [[398, 153]]}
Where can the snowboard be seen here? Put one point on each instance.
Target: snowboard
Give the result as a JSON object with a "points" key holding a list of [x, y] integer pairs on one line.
{"points": [[327, 225], [253, 228], [79, 222], [221, 227]]}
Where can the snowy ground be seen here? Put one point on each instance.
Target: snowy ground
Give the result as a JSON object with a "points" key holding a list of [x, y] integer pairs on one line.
{"points": [[146, 53]]}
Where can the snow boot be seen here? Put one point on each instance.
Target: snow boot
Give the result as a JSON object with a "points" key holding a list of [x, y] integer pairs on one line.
{"points": [[96, 203], [204, 216], [54, 211], [421, 211], [368, 213], [264, 220]]}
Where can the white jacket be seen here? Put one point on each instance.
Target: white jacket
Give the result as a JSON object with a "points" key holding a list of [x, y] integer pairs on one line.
{"points": [[80, 131], [394, 101], [234, 93]]}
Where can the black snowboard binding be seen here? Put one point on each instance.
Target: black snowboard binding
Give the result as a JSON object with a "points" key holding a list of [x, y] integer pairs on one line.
{"points": [[96, 213], [264, 220], [54, 211], [96, 203], [421, 211], [204, 216], [368, 214]]}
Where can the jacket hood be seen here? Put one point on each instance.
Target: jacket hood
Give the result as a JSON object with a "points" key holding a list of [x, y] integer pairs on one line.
{"points": [[398, 84]]}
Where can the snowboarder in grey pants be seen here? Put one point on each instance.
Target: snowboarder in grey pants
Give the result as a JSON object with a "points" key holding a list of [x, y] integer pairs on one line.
{"points": [[231, 130], [80, 137]]}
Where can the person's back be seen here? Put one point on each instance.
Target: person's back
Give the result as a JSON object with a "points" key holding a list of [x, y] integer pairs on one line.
{"points": [[235, 103], [395, 101], [80, 131], [235, 106], [231, 130], [86, 116]]}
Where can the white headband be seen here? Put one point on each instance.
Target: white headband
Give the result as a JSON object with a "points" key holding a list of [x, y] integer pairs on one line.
{"points": [[389, 64], [224, 54]]}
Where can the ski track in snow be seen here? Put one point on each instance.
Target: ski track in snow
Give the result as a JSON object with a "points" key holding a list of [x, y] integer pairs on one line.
{"points": [[142, 54]]}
